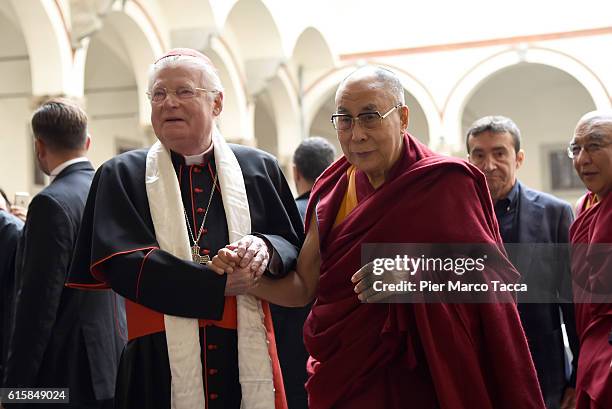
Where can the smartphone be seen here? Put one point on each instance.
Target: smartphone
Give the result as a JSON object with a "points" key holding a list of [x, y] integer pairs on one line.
{"points": [[22, 199]]}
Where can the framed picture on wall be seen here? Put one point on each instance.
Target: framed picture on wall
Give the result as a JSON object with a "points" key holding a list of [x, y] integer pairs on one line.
{"points": [[559, 169], [563, 175]]}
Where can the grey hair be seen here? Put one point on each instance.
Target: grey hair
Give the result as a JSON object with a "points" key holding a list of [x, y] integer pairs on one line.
{"points": [[209, 73], [385, 77], [494, 124]]}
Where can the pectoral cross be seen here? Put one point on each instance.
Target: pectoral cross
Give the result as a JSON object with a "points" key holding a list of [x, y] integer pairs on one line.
{"points": [[195, 255]]}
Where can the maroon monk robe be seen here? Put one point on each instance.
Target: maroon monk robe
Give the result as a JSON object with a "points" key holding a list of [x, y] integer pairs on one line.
{"points": [[422, 356], [592, 273]]}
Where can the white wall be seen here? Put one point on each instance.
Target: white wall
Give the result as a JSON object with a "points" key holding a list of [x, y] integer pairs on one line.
{"points": [[111, 97], [16, 146]]}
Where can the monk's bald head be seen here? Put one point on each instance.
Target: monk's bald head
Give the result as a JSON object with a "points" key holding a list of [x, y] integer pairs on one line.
{"points": [[595, 123], [375, 77], [591, 151]]}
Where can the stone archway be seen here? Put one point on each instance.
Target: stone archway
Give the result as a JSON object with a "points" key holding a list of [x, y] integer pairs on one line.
{"points": [[16, 103], [116, 80], [466, 86]]}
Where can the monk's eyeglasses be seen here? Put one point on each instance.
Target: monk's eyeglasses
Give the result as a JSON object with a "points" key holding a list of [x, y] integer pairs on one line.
{"points": [[159, 94], [367, 120], [592, 147]]}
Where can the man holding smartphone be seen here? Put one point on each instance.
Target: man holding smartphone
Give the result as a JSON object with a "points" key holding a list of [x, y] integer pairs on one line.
{"points": [[19, 208]]}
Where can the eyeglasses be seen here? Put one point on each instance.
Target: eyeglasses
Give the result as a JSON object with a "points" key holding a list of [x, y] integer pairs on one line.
{"points": [[367, 120], [574, 149], [159, 94]]}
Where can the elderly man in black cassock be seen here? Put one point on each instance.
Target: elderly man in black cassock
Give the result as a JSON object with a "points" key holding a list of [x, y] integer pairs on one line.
{"points": [[153, 221]]}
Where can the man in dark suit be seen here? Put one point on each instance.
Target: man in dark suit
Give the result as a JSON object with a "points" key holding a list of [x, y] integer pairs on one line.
{"points": [[61, 337], [528, 216]]}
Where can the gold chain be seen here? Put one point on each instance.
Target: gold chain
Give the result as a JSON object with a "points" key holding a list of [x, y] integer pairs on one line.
{"points": [[197, 239]]}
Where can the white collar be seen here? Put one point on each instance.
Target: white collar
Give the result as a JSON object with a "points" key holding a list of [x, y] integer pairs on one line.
{"points": [[64, 165], [199, 158]]}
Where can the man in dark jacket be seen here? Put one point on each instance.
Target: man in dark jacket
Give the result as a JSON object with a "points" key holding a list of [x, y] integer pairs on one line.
{"points": [[62, 337], [524, 216]]}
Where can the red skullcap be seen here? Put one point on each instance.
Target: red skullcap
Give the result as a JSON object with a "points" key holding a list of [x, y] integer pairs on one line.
{"points": [[188, 52]]}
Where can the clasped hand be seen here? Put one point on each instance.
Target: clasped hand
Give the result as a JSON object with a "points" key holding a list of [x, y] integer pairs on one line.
{"points": [[244, 261]]}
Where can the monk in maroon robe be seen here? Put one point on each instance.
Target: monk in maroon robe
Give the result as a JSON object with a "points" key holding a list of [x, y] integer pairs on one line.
{"points": [[591, 238], [389, 188]]}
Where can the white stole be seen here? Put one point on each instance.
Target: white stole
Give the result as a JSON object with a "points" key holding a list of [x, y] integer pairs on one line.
{"points": [[182, 334]]}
